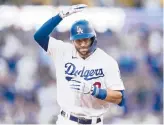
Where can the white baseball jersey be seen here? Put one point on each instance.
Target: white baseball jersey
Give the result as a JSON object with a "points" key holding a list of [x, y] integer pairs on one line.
{"points": [[99, 69]]}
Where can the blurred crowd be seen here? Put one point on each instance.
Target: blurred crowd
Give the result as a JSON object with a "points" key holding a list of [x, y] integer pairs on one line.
{"points": [[24, 70], [28, 82]]}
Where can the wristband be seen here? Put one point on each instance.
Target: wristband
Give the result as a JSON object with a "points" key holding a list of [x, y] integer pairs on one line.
{"points": [[99, 93]]}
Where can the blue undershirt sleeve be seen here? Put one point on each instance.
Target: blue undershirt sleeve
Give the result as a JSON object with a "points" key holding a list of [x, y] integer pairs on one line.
{"points": [[122, 103], [41, 36]]}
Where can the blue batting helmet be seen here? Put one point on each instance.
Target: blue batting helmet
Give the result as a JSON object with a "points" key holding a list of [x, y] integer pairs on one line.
{"points": [[82, 29]]}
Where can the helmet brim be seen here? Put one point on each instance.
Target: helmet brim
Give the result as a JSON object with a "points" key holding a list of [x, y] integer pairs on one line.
{"points": [[81, 36]]}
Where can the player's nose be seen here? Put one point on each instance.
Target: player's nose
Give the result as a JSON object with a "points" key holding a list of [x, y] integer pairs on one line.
{"points": [[83, 43]]}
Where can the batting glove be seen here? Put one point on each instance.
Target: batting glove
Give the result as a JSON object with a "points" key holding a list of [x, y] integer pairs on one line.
{"points": [[72, 9], [81, 86]]}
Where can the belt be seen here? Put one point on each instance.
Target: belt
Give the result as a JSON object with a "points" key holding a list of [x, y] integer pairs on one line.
{"points": [[80, 120]]}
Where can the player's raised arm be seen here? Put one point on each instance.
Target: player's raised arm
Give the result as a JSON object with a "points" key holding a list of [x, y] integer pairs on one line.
{"points": [[42, 34]]}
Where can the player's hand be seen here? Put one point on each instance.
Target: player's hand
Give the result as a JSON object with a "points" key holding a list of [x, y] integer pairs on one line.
{"points": [[72, 9], [80, 86]]}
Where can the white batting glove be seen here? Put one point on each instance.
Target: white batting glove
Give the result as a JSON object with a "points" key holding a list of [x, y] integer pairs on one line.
{"points": [[81, 86], [72, 9]]}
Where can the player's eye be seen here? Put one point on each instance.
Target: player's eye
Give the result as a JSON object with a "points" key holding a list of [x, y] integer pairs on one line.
{"points": [[80, 41]]}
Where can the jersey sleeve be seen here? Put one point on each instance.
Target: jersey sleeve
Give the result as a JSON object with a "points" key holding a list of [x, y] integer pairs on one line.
{"points": [[113, 78], [55, 48]]}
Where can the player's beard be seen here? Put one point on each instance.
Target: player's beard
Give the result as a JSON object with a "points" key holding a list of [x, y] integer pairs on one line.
{"points": [[84, 52]]}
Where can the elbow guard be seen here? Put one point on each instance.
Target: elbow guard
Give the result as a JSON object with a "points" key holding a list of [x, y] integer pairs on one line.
{"points": [[123, 98]]}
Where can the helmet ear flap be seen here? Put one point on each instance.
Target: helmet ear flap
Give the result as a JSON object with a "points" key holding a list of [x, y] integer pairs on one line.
{"points": [[93, 44], [92, 39]]}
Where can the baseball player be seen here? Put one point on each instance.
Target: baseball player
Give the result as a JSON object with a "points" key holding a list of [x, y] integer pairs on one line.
{"points": [[88, 79]]}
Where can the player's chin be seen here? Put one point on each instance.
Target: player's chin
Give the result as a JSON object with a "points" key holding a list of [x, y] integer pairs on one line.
{"points": [[84, 52]]}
